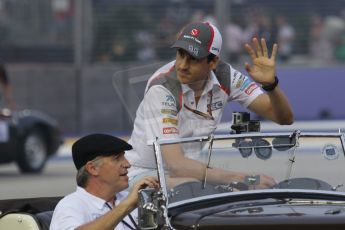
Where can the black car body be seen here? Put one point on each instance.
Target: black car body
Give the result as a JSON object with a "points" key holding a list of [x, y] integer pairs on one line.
{"points": [[28, 138]]}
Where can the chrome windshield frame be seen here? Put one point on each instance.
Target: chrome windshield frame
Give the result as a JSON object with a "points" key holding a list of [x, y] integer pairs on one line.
{"points": [[160, 142]]}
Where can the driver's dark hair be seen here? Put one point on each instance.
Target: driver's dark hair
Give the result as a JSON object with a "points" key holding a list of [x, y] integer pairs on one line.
{"points": [[210, 57]]}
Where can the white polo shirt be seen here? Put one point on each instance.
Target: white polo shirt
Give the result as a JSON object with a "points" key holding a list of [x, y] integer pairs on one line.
{"points": [[81, 207], [160, 115]]}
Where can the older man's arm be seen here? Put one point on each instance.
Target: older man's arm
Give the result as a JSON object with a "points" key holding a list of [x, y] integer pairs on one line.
{"points": [[110, 220]]}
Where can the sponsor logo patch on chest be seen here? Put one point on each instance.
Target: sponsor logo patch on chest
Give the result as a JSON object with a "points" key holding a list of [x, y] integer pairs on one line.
{"points": [[169, 112], [170, 130], [169, 101], [216, 105], [170, 120]]}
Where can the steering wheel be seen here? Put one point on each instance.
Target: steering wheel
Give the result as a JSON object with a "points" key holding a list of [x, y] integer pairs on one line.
{"points": [[193, 189], [190, 190], [304, 183]]}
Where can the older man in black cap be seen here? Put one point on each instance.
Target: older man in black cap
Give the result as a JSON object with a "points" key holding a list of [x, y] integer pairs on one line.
{"points": [[100, 201]]}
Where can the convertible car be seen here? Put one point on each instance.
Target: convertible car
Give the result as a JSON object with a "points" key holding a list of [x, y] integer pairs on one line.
{"points": [[307, 170], [308, 193], [28, 138]]}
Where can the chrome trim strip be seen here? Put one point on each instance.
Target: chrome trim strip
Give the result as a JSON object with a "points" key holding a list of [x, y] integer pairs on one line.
{"points": [[244, 193], [233, 136]]}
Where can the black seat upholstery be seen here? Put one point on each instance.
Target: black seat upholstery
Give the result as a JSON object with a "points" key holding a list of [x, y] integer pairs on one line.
{"points": [[44, 219]]}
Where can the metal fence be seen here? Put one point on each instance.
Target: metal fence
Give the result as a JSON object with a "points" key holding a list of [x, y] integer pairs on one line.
{"points": [[62, 55], [109, 31]]}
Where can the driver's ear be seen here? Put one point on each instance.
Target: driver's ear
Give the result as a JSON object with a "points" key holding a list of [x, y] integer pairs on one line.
{"points": [[214, 62]]}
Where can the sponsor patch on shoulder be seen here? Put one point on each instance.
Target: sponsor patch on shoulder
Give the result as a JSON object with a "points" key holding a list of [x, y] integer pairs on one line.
{"points": [[170, 130]]}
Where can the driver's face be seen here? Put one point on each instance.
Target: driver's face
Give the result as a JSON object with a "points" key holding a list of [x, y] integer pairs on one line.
{"points": [[191, 70]]}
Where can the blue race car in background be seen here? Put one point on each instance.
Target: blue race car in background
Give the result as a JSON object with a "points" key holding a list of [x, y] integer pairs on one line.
{"points": [[28, 138]]}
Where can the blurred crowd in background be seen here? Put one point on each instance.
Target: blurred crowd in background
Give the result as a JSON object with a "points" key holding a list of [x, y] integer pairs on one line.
{"points": [[70, 48], [134, 30]]}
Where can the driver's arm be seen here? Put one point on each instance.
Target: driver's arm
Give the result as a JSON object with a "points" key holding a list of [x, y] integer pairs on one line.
{"points": [[273, 105], [180, 166]]}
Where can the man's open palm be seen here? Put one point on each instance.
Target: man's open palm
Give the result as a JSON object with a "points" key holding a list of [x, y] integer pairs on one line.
{"points": [[263, 68]]}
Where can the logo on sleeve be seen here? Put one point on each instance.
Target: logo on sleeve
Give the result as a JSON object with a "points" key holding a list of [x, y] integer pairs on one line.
{"points": [[239, 83], [251, 88], [245, 84]]}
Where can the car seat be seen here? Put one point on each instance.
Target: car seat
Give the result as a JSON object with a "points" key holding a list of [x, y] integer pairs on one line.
{"points": [[19, 221]]}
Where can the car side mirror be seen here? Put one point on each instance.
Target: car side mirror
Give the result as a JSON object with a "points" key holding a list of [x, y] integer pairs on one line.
{"points": [[148, 209]]}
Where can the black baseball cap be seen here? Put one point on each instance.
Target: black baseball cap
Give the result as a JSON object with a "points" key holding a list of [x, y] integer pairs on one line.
{"points": [[91, 146], [199, 39]]}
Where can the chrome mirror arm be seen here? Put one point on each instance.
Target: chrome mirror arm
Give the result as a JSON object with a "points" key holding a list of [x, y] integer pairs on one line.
{"points": [[210, 141], [296, 134], [160, 168], [163, 193]]}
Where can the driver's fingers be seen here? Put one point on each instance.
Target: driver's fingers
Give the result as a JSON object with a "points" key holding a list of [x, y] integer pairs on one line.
{"points": [[257, 47], [274, 51], [264, 47], [250, 51]]}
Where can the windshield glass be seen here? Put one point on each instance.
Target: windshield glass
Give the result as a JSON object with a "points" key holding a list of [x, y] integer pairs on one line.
{"points": [[235, 163]]}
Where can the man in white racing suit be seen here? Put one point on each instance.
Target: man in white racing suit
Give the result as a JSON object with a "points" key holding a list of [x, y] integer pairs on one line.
{"points": [[187, 97]]}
